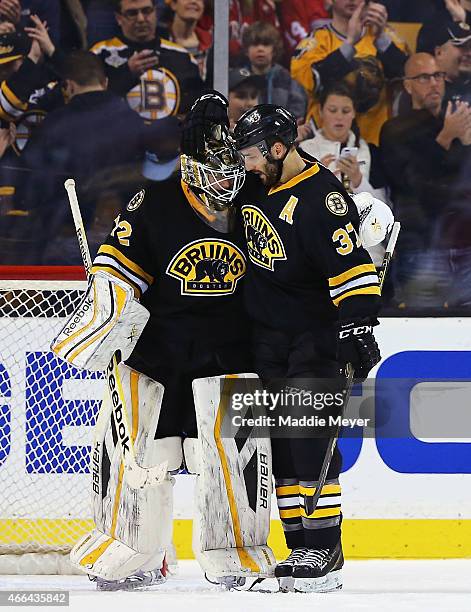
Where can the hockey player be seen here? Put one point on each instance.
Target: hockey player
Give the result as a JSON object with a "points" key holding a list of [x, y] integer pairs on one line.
{"points": [[177, 249], [312, 292]]}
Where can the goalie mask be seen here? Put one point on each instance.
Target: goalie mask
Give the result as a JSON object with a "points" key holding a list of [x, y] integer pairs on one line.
{"points": [[215, 178]]}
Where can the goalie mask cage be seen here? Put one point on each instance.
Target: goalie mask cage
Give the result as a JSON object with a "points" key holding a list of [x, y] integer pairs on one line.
{"points": [[47, 413]]}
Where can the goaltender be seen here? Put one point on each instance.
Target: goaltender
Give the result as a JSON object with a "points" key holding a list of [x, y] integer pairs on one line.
{"points": [[174, 265]]}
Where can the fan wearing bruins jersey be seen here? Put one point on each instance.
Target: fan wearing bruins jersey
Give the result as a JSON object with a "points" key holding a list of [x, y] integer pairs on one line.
{"points": [[312, 293], [356, 46], [158, 77]]}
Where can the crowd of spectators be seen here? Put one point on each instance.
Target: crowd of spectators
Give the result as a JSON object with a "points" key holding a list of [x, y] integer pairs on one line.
{"points": [[95, 89]]}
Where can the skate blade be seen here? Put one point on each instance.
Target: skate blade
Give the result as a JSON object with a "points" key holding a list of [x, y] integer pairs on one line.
{"points": [[128, 586], [325, 584], [286, 584]]}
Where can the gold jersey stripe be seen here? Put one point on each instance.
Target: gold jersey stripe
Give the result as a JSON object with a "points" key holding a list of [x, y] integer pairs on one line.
{"points": [[12, 98], [356, 271], [321, 513], [292, 513], [363, 291], [314, 169], [109, 250], [110, 42], [288, 490], [114, 272], [326, 489]]}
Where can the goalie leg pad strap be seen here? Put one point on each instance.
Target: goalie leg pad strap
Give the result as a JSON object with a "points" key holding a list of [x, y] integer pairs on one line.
{"points": [[233, 487]]}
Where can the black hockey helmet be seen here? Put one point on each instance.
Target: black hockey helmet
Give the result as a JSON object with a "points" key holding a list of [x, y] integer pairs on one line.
{"points": [[263, 125]]}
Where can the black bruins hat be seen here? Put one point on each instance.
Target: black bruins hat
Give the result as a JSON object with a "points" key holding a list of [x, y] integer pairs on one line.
{"points": [[13, 46], [434, 35]]}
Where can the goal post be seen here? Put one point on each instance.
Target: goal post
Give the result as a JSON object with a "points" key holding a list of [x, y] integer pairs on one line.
{"points": [[47, 412]]}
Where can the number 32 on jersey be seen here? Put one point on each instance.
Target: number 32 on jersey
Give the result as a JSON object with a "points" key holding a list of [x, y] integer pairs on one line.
{"points": [[342, 237]]}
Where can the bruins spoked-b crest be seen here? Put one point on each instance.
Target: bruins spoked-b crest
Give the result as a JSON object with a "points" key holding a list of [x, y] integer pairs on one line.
{"points": [[208, 267], [336, 203], [263, 241]]}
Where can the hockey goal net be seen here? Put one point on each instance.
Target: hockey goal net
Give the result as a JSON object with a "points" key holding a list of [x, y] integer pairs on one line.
{"points": [[47, 413]]}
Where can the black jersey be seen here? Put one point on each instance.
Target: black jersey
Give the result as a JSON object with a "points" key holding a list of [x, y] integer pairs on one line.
{"points": [[169, 88], [306, 259], [187, 274]]}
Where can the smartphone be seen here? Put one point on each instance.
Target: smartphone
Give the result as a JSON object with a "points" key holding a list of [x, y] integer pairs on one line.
{"points": [[349, 152]]}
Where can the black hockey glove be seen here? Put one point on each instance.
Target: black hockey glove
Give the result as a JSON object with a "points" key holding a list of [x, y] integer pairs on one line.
{"points": [[209, 111], [357, 345]]}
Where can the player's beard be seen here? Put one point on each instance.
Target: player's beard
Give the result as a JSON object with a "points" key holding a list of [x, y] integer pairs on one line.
{"points": [[270, 174]]}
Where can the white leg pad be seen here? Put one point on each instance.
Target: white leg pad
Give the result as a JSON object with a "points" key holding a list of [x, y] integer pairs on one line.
{"points": [[133, 526], [233, 489]]}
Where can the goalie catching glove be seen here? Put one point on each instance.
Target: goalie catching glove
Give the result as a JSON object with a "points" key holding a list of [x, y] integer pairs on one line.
{"points": [[109, 318], [357, 346], [207, 113]]}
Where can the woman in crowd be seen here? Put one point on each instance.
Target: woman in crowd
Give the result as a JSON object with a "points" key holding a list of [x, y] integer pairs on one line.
{"points": [[339, 147]]}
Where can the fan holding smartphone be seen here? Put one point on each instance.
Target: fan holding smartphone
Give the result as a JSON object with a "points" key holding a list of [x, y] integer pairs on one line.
{"points": [[338, 145]]}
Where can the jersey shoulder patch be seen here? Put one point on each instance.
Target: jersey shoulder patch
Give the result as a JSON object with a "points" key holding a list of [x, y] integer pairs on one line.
{"points": [[136, 200], [336, 203]]}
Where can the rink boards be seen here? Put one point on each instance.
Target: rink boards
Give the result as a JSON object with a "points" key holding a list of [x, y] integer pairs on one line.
{"points": [[401, 497]]}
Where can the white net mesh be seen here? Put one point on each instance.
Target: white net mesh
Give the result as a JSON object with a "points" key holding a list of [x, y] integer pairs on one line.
{"points": [[47, 413]]}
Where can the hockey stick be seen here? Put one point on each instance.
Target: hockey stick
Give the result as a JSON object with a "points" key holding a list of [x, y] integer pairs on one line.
{"points": [[350, 374], [137, 477]]}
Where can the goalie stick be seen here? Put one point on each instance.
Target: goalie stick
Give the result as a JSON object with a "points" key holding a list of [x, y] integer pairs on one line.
{"points": [[137, 477], [350, 371]]}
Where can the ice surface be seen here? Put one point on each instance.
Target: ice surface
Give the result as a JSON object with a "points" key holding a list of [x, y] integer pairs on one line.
{"points": [[379, 586]]}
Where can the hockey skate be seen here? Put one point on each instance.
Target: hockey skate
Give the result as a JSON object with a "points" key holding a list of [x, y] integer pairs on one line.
{"points": [[319, 571], [139, 580], [284, 569]]}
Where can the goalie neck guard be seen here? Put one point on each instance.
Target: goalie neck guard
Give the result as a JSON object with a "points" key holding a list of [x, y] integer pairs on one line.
{"points": [[215, 180]]}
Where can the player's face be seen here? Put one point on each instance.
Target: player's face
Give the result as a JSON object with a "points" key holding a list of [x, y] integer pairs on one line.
{"points": [[337, 116], [241, 99], [137, 19], [257, 164], [260, 56], [191, 10]]}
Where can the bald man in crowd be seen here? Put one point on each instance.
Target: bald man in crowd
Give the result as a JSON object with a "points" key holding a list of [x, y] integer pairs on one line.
{"points": [[423, 152]]}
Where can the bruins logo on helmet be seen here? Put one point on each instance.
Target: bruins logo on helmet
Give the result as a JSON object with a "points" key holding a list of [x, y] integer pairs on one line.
{"points": [[263, 242], [208, 267], [157, 95]]}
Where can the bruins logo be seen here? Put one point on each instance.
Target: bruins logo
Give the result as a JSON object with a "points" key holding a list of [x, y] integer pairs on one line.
{"points": [[336, 203], [157, 95], [263, 242], [208, 267], [136, 201]]}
